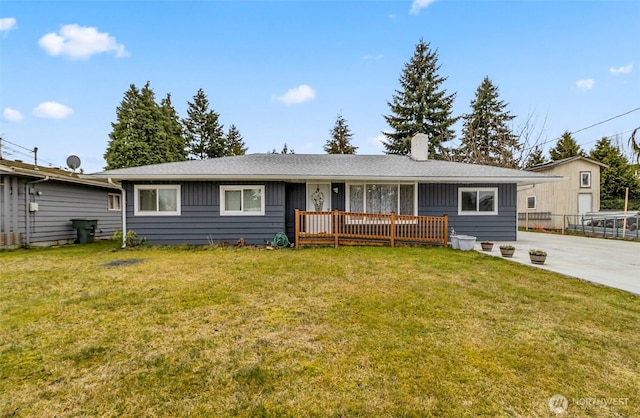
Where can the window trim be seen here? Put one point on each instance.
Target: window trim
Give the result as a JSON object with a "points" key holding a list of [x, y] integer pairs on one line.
{"points": [[242, 188], [364, 184], [112, 198], [157, 212], [477, 190], [535, 202], [588, 185]]}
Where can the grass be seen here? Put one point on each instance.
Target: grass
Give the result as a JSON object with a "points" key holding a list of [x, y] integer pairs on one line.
{"points": [[90, 330]]}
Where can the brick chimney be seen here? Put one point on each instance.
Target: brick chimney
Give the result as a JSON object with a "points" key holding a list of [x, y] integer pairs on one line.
{"points": [[420, 147]]}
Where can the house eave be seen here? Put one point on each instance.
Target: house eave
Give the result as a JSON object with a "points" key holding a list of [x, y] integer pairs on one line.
{"points": [[17, 171], [524, 180]]}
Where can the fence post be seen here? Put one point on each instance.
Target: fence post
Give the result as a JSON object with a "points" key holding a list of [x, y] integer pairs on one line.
{"points": [[297, 227], [335, 228], [446, 231], [392, 231]]}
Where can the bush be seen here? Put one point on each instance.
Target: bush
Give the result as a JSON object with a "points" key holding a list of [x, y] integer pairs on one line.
{"points": [[130, 239], [618, 204]]}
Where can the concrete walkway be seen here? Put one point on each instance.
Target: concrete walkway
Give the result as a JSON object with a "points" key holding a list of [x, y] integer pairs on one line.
{"points": [[613, 263]]}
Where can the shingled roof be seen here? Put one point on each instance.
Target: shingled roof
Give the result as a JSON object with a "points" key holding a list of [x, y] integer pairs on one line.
{"points": [[20, 168], [326, 167]]}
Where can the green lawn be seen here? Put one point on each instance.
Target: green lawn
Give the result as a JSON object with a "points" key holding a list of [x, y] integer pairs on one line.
{"points": [[90, 330]]}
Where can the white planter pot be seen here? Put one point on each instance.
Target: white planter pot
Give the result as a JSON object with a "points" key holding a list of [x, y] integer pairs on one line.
{"points": [[466, 242], [454, 242]]}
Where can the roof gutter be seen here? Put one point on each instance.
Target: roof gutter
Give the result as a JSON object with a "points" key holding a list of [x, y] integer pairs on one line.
{"points": [[123, 209], [27, 219]]}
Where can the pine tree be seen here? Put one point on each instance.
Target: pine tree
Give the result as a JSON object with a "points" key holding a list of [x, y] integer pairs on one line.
{"points": [[535, 158], [487, 138], [143, 133], [340, 142], [618, 175], [203, 133], [235, 143], [175, 142], [566, 147], [421, 106], [285, 150]]}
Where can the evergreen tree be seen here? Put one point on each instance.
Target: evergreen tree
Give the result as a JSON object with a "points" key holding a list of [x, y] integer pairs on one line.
{"points": [[175, 143], [235, 143], [565, 147], [285, 150], [203, 133], [143, 133], [535, 158], [340, 142], [420, 106], [618, 176], [487, 138]]}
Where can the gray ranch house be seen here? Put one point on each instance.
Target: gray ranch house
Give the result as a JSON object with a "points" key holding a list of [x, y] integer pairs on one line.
{"points": [[254, 197], [38, 203]]}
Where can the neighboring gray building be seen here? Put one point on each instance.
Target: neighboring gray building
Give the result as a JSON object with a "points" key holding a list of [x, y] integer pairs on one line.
{"points": [[255, 196], [38, 203]]}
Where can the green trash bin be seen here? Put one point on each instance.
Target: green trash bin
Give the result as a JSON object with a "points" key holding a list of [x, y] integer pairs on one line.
{"points": [[86, 229]]}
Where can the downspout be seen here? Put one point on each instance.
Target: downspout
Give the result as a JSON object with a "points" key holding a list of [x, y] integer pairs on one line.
{"points": [[27, 226], [124, 211]]}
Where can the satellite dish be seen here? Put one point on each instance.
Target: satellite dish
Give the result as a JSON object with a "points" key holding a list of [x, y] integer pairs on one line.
{"points": [[73, 162]]}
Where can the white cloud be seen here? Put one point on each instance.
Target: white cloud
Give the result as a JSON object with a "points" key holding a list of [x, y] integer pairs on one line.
{"points": [[373, 57], [80, 42], [378, 141], [417, 5], [621, 70], [586, 84], [296, 95], [12, 115], [52, 110], [7, 24]]}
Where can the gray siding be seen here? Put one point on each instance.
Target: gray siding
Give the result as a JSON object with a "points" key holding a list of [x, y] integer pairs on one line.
{"points": [[295, 199], [442, 199], [200, 221], [58, 202], [61, 202]]}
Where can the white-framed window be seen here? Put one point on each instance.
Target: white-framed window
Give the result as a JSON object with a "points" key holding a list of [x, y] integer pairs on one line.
{"points": [[531, 202], [157, 200], [400, 198], [241, 200], [585, 179], [114, 201], [477, 201]]}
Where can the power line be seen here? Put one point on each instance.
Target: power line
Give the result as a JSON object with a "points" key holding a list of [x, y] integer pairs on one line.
{"points": [[585, 128], [19, 151]]}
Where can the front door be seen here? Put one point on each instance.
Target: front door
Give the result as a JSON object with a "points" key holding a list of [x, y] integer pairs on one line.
{"points": [[319, 200], [585, 203]]}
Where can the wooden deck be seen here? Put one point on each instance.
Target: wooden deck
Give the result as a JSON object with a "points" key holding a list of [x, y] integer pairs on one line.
{"points": [[349, 228]]}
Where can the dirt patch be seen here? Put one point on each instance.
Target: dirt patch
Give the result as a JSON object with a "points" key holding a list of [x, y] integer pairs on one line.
{"points": [[120, 263]]}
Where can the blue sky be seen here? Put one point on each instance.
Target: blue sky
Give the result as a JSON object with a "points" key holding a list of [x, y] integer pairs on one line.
{"points": [[281, 71]]}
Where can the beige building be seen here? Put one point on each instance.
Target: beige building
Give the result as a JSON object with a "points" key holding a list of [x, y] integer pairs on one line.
{"points": [[556, 205]]}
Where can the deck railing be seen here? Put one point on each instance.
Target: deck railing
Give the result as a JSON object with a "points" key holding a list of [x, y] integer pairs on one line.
{"points": [[335, 228]]}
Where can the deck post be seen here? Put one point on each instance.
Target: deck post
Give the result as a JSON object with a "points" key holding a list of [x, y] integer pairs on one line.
{"points": [[335, 228], [446, 231], [297, 227], [392, 226]]}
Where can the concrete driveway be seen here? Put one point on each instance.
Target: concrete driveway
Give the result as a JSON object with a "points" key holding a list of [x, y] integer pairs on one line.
{"points": [[613, 263]]}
